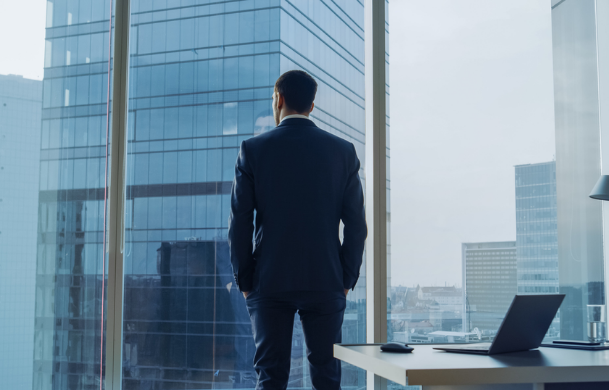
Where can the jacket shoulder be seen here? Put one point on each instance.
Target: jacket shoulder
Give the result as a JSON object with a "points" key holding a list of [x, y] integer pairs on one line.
{"points": [[342, 143], [317, 135]]}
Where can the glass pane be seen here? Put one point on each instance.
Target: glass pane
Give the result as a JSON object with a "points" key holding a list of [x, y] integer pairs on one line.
{"points": [[201, 80], [578, 163], [488, 200], [54, 82]]}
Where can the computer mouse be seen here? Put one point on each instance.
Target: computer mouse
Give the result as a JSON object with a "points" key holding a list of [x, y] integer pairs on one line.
{"points": [[396, 347]]}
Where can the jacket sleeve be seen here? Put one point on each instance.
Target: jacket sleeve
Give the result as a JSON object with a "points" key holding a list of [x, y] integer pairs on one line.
{"points": [[241, 223], [355, 230]]}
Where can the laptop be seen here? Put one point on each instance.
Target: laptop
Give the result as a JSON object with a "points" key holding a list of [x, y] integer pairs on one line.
{"points": [[524, 326]]}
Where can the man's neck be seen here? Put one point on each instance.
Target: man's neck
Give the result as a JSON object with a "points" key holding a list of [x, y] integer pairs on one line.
{"points": [[294, 115]]}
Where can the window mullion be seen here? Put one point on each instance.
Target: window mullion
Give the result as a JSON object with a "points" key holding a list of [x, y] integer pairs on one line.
{"points": [[376, 172], [117, 196]]}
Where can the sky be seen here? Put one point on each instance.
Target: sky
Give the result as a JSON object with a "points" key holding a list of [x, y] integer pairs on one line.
{"points": [[471, 96], [22, 25]]}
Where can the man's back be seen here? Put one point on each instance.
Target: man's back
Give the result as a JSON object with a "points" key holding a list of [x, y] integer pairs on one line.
{"points": [[303, 181], [299, 182]]}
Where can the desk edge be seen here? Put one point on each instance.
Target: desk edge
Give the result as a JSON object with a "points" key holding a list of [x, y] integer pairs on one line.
{"points": [[378, 367], [468, 376]]}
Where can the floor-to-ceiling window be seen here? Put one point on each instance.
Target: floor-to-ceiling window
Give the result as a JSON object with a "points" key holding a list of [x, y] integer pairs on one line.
{"points": [[495, 148], [201, 77], [473, 169]]}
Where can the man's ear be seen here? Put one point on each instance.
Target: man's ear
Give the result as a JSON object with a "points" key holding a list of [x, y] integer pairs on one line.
{"points": [[280, 101], [312, 107]]}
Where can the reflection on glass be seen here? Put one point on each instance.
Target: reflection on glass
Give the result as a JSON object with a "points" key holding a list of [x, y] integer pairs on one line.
{"points": [[201, 81]]}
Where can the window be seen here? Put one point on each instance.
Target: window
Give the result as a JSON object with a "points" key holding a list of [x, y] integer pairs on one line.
{"points": [[201, 80], [491, 170], [491, 159]]}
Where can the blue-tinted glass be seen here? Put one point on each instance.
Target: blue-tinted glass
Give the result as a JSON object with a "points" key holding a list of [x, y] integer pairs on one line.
{"points": [[200, 119], [200, 174], [157, 122], [171, 123], [229, 157], [231, 73], [95, 89], [169, 213], [155, 213], [216, 29], [155, 168], [214, 119], [211, 79], [82, 90], [172, 79], [231, 28], [216, 74], [140, 213], [52, 116], [184, 212], [157, 87]]}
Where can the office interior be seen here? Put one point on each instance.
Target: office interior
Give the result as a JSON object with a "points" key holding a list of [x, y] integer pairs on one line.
{"points": [[481, 127]]}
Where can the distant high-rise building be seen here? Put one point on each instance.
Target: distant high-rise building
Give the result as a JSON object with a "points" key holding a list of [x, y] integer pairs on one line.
{"points": [[489, 281], [580, 55], [536, 228], [20, 109]]}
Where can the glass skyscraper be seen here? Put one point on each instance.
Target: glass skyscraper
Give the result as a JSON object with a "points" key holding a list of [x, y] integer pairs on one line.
{"points": [[537, 232], [536, 228], [200, 81], [579, 52]]}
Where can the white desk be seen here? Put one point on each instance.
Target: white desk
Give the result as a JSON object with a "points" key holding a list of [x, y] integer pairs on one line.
{"points": [[442, 370]]}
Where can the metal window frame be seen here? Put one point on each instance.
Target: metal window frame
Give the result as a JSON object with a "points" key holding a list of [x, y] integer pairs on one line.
{"points": [[375, 175], [116, 197]]}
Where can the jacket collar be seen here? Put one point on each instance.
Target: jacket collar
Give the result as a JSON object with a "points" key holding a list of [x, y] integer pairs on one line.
{"points": [[296, 122], [295, 116]]}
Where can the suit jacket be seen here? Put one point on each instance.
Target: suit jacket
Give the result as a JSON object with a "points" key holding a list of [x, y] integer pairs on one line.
{"points": [[298, 182]]}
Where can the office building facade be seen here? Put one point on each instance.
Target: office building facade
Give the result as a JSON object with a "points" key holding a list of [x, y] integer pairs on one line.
{"points": [[20, 109], [579, 33], [536, 228], [489, 280], [200, 81]]}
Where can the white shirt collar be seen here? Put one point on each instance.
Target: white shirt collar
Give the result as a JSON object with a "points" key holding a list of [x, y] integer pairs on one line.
{"points": [[295, 116]]}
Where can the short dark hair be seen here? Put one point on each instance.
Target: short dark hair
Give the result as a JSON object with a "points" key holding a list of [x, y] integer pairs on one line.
{"points": [[298, 89]]}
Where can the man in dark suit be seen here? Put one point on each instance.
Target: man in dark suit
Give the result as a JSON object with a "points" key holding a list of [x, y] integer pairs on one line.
{"points": [[298, 182]]}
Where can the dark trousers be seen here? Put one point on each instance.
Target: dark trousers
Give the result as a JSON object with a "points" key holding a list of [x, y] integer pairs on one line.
{"points": [[272, 316]]}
